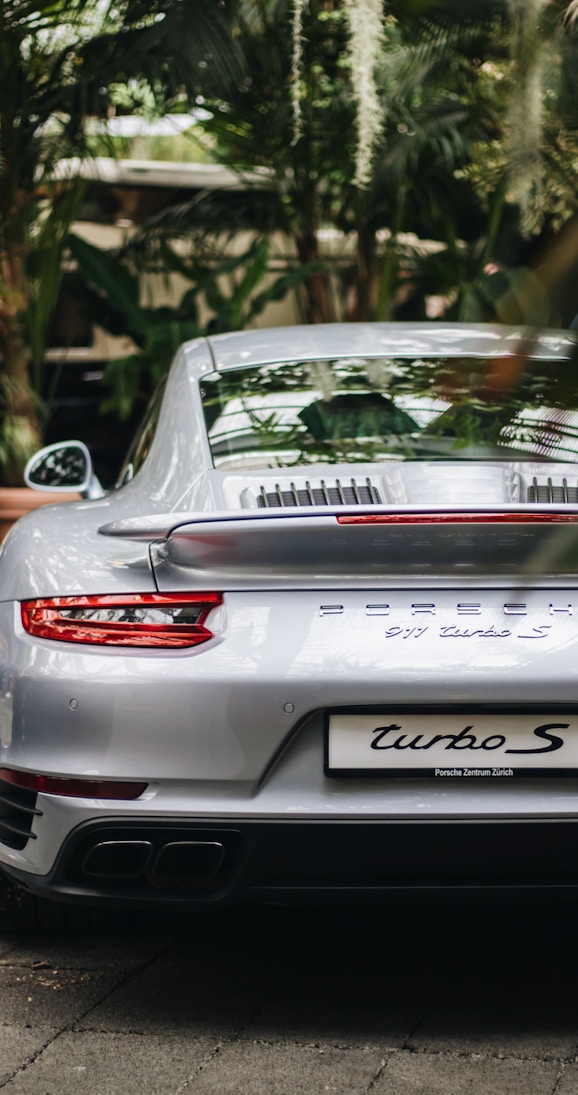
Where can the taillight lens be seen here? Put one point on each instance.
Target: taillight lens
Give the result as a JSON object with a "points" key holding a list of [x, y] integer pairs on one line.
{"points": [[165, 620], [456, 518], [73, 788]]}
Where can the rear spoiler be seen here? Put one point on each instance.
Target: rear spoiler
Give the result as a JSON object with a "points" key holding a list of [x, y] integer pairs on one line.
{"points": [[281, 549]]}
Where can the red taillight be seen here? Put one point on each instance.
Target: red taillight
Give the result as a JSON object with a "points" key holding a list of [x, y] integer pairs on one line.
{"points": [[73, 788], [454, 518], [145, 619]]}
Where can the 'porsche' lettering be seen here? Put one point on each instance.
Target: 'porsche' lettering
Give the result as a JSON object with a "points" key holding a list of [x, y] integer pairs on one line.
{"points": [[461, 608]]}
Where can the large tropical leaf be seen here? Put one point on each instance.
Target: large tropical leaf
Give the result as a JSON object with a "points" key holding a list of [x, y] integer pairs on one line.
{"points": [[112, 280]]}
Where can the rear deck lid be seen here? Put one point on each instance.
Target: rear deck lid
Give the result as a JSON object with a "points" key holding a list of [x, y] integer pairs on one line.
{"points": [[361, 546]]}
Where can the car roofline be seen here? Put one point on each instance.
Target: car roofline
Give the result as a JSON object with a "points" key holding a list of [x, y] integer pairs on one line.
{"points": [[275, 345]]}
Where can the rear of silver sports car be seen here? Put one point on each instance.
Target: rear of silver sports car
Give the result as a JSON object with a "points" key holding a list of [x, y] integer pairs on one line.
{"points": [[288, 735], [347, 669]]}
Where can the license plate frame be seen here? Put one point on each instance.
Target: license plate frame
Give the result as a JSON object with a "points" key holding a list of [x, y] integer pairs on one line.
{"points": [[350, 731]]}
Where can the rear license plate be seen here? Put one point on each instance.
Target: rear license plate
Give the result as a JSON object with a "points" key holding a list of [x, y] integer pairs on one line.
{"points": [[448, 744]]}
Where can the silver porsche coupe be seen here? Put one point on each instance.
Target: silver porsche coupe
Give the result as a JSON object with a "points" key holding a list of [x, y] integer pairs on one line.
{"points": [[321, 640]]}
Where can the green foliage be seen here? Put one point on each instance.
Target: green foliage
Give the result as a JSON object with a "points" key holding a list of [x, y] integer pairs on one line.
{"points": [[58, 60], [456, 89], [453, 83], [435, 99], [226, 289]]}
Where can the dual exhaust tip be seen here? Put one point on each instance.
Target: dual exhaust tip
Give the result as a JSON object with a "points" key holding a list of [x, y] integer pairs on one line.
{"points": [[176, 864]]}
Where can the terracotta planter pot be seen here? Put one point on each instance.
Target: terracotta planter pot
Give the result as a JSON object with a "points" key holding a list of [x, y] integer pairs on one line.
{"points": [[15, 502]]}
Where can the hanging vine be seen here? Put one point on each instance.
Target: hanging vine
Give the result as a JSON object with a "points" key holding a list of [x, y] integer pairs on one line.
{"points": [[525, 115], [366, 41], [296, 63]]}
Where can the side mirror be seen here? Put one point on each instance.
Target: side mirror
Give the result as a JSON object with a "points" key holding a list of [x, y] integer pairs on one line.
{"points": [[64, 466]]}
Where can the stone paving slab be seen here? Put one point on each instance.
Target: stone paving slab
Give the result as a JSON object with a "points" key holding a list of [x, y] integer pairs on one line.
{"points": [[18, 1045], [171, 998], [431, 1074], [48, 997], [103, 1064], [437, 1000], [287, 1070], [568, 1081]]}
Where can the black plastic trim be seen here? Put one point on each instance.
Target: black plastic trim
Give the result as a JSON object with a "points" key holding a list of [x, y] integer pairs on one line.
{"points": [[319, 860]]}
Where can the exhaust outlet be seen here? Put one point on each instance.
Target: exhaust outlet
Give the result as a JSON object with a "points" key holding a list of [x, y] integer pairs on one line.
{"points": [[188, 862], [118, 859], [137, 858]]}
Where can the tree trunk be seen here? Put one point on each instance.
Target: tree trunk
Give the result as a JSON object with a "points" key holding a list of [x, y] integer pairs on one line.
{"points": [[364, 299], [20, 431], [318, 304], [318, 307]]}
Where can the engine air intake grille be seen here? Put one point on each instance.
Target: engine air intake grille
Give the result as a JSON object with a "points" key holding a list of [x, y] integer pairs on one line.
{"points": [[323, 494], [17, 812], [552, 492]]}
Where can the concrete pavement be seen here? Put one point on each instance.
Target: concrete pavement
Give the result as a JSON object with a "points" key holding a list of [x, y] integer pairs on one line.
{"points": [[425, 1000]]}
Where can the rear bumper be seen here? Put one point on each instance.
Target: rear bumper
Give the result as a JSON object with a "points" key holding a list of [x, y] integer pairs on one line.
{"points": [[170, 863]]}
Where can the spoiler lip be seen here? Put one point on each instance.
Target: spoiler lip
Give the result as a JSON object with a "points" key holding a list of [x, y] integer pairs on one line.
{"points": [[157, 527]]}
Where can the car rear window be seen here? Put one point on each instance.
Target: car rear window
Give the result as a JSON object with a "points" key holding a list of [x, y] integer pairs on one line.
{"points": [[353, 410]]}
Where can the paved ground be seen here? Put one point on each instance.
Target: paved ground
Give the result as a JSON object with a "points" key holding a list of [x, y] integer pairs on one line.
{"points": [[430, 1000]]}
